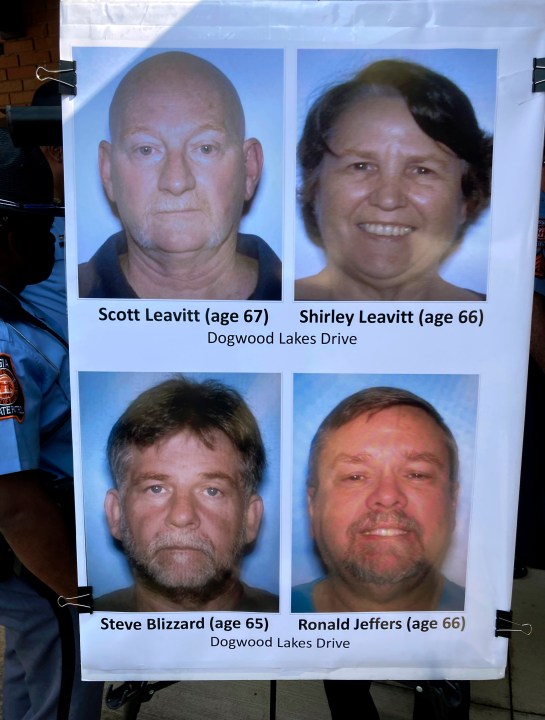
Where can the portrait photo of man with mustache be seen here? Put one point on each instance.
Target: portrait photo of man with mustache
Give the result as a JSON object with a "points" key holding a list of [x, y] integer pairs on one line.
{"points": [[187, 459], [382, 495], [179, 169]]}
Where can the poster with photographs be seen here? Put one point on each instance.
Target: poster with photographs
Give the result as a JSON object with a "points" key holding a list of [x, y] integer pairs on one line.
{"points": [[301, 241]]}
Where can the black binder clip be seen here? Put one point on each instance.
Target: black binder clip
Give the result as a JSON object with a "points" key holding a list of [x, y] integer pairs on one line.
{"points": [[505, 626], [67, 83], [85, 596], [538, 75]]}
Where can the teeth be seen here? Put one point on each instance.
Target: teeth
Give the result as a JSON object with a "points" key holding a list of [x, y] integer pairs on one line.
{"points": [[387, 230], [386, 532]]}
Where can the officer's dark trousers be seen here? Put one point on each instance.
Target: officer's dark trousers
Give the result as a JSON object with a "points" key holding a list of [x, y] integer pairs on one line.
{"points": [[351, 700]]}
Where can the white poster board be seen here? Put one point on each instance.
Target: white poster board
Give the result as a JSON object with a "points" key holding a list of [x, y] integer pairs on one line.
{"points": [[294, 360]]}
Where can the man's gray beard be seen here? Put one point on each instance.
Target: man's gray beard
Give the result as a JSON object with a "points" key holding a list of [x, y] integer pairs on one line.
{"points": [[364, 568], [201, 583]]}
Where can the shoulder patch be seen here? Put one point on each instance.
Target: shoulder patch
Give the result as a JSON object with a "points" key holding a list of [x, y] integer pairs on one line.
{"points": [[12, 400], [540, 254]]}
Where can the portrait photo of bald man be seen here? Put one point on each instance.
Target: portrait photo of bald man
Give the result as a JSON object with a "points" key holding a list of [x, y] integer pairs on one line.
{"points": [[383, 467], [178, 174]]}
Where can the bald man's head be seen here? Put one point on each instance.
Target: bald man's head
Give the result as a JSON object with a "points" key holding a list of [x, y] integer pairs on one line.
{"points": [[178, 167], [176, 72]]}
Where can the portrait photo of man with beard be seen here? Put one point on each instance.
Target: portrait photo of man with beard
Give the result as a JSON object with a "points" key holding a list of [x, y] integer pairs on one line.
{"points": [[187, 461], [382, 494]]}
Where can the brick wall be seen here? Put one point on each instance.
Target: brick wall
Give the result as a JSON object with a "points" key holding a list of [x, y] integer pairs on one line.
{"points": [[39, 46]]}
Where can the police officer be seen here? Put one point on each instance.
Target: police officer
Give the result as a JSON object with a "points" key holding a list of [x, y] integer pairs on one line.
{"points": [[41, 665]]}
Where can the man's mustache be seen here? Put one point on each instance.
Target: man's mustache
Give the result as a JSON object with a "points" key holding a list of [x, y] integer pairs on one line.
{"points": [[181, 541]]}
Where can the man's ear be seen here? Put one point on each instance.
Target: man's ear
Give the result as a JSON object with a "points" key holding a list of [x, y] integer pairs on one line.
{"points": [[311, 494], [254, 515], [253, 162], [112, 507], [105, 167], [454, 493]]}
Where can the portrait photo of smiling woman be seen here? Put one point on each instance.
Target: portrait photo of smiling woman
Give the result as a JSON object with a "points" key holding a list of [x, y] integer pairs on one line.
{"points": [[395, 169]]}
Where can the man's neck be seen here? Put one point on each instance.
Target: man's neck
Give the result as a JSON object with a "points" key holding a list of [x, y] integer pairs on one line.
{"points": [[335, 594], [152, 600], [218, 273]]}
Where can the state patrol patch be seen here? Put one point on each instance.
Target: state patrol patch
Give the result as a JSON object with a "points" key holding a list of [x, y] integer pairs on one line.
{"points": [[540, 253], [12, 401]]}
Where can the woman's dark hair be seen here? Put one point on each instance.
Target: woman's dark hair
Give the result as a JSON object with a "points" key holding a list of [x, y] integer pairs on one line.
{"points": [[438, 106]]}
